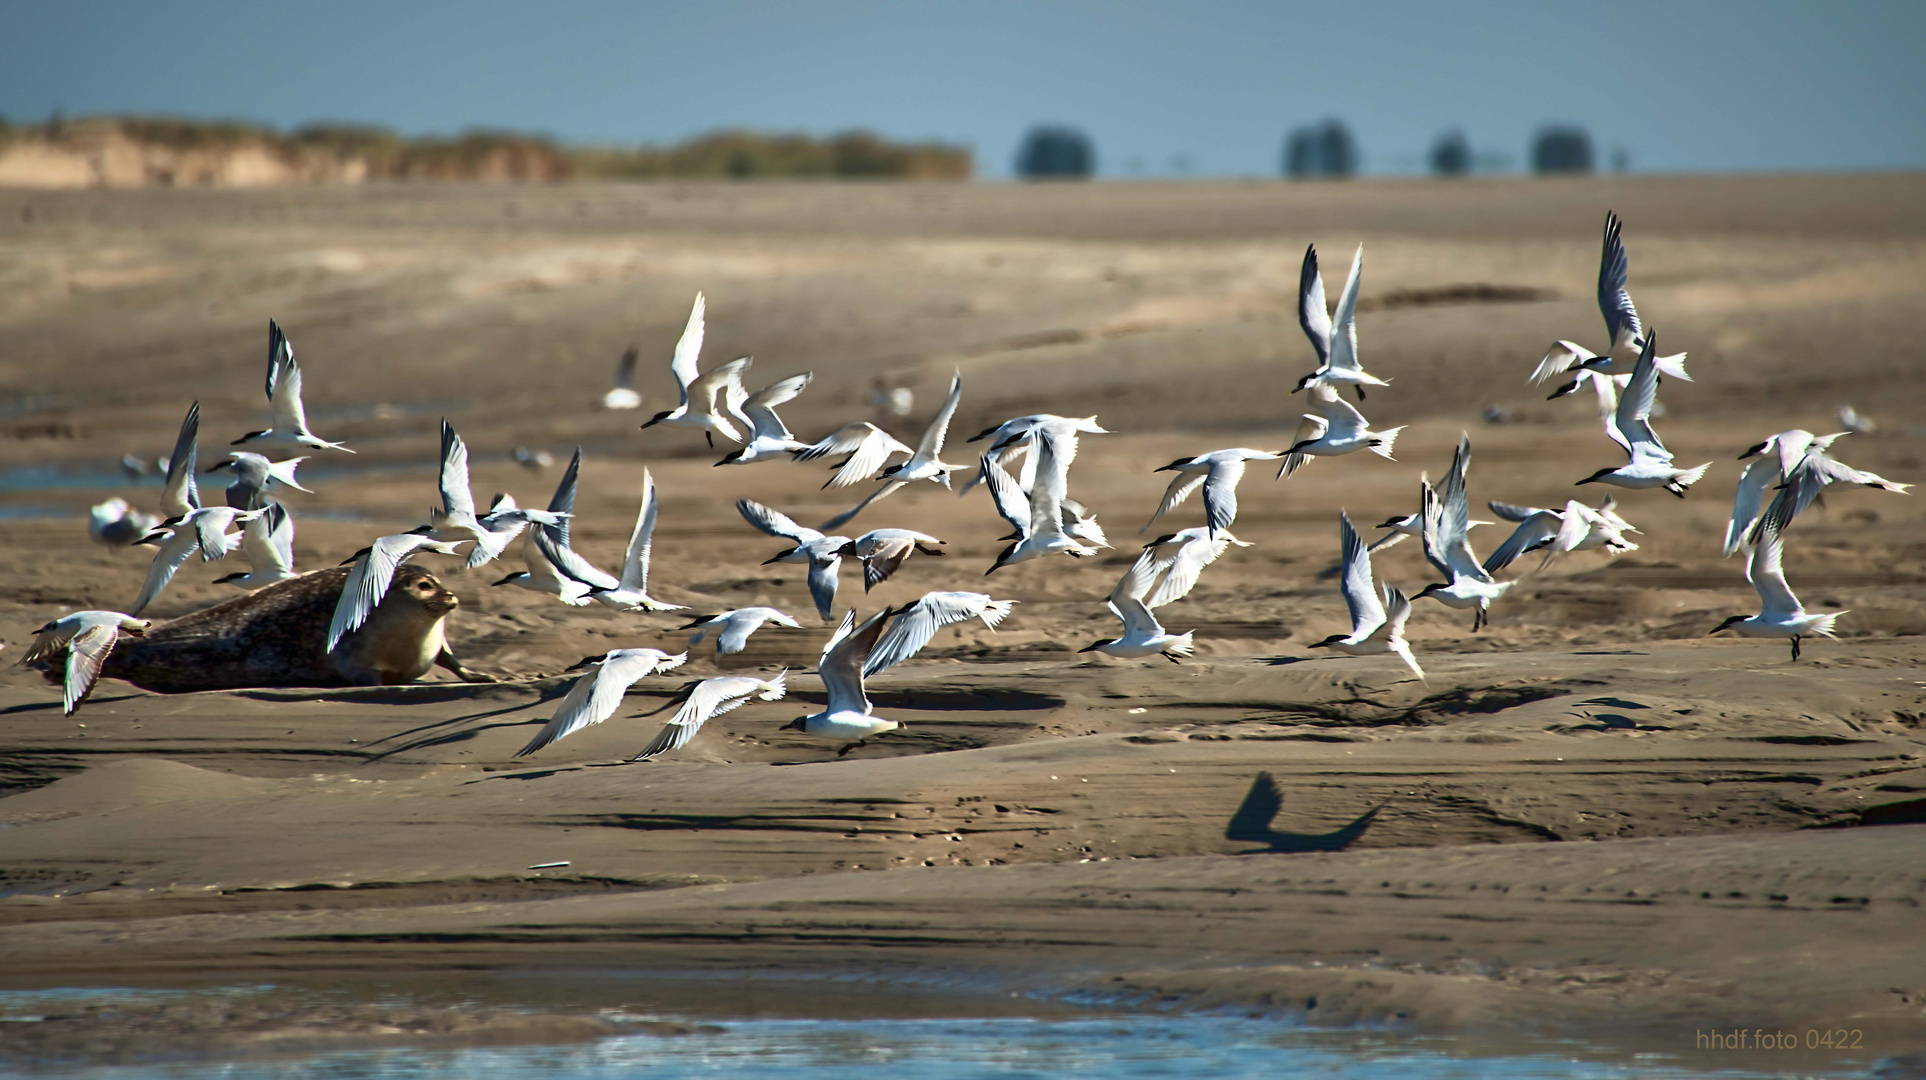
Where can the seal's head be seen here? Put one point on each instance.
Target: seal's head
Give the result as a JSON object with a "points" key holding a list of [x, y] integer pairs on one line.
{"points": [[426, 590]]}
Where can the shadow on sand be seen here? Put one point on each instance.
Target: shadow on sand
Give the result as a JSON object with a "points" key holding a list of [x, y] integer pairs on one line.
{"points": [[1252, 823]]}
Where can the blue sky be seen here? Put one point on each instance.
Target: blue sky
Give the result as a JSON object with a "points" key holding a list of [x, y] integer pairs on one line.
{"points": [[1207, 87]]}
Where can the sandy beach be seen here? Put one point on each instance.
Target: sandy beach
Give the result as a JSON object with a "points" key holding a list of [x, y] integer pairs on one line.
{"points": [[1591, 818]]}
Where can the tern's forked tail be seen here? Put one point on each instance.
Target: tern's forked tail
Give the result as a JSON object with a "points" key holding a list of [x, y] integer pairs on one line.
{"points": [[1383, 441]]}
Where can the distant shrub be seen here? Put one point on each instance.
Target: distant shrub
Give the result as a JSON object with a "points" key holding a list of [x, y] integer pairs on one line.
{"points": [[177, 134], [352, 140], [1561, 148], [1056, 152], [747, 154], [483, 155], [1324, 149], [1451, 154]]}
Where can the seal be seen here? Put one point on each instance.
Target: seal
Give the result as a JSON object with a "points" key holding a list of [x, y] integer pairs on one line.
{"points": [[277, 636]]}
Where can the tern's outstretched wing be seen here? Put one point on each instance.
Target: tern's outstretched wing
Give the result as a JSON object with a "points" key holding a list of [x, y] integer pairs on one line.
{"points": [[456, 499], [1360, 592], [1312, 315], [368, 582], [707, 700], [563, 501], [86, 653], [1631, 425], [916, 624], [931, 447], [595, 696], [761, 406], [1220, 493], [774, 522], [842, 665], [1344, 331], [1621, 318], [173, 555], [181, 497], [688, 349], [867, 445]]}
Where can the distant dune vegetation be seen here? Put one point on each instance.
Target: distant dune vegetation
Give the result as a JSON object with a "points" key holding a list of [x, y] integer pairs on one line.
{"points": [[159, 152]]}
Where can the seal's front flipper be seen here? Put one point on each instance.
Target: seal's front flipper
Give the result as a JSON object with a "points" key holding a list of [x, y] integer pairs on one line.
{"points": [[447, 660]]}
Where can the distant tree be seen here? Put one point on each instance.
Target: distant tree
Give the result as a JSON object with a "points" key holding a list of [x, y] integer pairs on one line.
{"points": [[1054, 151], [1451, 154], [1323, 149], [1561, 148], [1621, 159]]}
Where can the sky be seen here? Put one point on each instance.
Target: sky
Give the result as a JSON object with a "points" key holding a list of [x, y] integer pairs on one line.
{"points": [[1189, 87]]}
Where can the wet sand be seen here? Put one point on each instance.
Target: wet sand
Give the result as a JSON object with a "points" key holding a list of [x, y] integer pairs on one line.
{"points": [[1592, 817]]}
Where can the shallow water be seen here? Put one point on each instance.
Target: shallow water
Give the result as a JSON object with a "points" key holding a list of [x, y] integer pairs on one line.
{"points": [[1113, 1047]]}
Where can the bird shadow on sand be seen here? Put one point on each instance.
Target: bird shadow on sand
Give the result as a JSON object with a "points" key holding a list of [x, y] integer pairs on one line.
{"points": [[436, 733], [1252, 824], [55, 705]]}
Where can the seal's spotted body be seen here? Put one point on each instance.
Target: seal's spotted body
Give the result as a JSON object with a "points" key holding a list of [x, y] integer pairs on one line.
{"points": [[275, 637]]}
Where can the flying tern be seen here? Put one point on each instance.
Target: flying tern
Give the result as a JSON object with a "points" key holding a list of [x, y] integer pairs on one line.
{"points": [[708, 699], [1575, 528], [1177, 559], [631, 591], [1782, 459], [1447, 546], [706, 400], [595, 696], [1780, 613], [734, 627], [1143, 635], [255, 476], [846, 715], [284, 398], [1336, 341], [769, 436], [181, 497], [1336, 428], [822, 553], [374, 571], [542, 575], [914, 625], [1631, 428], [867, 445], [924, 464], [1217, 473], [204, 530], [1622, 327], [268, 542], [1019, 434], [1042, 525], [1378, 614], [456, 519], [883, 551], [86, 637]]}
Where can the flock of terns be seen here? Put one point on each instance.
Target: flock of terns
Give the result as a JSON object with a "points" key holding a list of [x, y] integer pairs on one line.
{"points": [[1025, 468]]}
